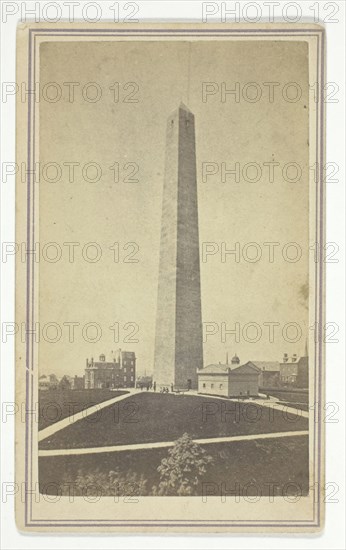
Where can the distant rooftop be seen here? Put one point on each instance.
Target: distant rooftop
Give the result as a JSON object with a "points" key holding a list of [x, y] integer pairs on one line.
{"points": [[223, 366], [273, 366]]}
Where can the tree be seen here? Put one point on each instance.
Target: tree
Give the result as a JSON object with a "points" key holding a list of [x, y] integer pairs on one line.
{"points": [[64, 384], [182, 470]]}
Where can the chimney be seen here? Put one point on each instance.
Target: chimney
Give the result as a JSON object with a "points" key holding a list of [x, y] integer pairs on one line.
{"points": [[227, 358], [285, 357]]}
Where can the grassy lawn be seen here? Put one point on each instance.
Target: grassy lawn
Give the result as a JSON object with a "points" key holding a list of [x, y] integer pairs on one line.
{"points": [[54, 405], [277, 467], [291, 396], [299, 406], [149, 417]]}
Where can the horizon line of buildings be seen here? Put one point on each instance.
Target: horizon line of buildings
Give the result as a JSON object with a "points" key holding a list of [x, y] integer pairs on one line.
{"points": [[246, 380], [229, 378]]}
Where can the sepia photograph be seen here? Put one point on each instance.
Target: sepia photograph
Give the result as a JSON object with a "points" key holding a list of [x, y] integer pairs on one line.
{"points": [[170, 297]]}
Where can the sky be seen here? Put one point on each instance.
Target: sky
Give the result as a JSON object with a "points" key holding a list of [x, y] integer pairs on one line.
{"points": [[122, 294]]}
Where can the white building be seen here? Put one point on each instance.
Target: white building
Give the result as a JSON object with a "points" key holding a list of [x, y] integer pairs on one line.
{"points": [[229, 380]]}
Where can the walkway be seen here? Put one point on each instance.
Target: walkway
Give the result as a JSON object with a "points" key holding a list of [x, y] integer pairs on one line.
{"points": [[272, 403], [57, 426], [65, 422], [162, 444]]}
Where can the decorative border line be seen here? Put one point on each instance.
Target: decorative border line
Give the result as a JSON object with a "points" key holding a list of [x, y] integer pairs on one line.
{"points": [[319, 269]]}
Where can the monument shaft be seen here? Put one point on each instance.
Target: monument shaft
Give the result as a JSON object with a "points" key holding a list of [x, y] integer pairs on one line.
{"points": [[179, 338]]}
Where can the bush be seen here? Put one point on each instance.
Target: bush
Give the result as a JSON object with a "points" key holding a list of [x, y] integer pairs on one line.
{"points": [[182, 470], [97, 484]]}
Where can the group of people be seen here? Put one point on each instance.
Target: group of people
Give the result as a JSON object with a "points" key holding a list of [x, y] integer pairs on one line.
{"points": [[152, 386], [148, 386], [165, 389]]}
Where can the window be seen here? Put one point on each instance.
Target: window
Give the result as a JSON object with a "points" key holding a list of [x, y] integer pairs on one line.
{"points": [[221, 386], [211, 385], [124, 378], [203, 386], [131, 378]]}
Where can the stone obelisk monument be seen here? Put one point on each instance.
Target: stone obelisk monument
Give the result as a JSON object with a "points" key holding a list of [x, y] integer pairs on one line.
{"points": [[179, 338]]}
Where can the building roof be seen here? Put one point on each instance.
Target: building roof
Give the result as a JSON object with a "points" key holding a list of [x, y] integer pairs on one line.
{"points": [[290, 360], [267, 366], [218, 368], [111, 360], [301, 360]]}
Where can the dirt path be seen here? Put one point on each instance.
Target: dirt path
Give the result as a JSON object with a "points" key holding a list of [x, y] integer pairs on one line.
{"points": [[161, 444]]}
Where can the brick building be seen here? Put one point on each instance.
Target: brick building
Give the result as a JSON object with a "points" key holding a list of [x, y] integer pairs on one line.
{"points": [[118, 372], [291, 371], [294, 371]]}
